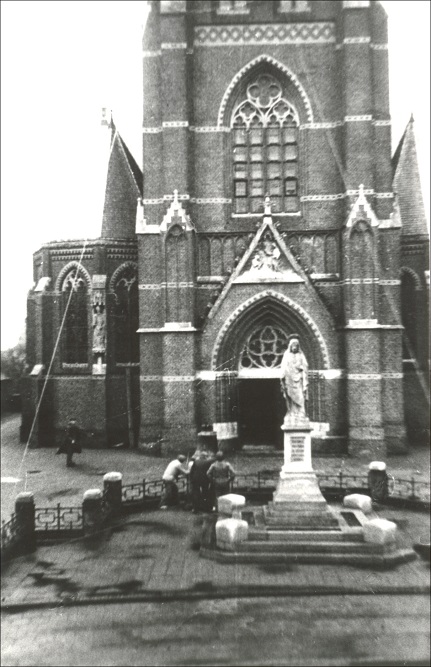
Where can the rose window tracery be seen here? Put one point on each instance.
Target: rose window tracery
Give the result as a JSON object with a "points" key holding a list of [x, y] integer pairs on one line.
{"points": [[264, 348]]}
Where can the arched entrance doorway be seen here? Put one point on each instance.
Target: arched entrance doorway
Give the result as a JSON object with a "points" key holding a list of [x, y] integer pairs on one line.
{"points": [[249, 404]]}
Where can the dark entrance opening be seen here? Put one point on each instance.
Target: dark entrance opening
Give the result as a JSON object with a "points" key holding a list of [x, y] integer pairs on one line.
{"points": [[261, 412]]}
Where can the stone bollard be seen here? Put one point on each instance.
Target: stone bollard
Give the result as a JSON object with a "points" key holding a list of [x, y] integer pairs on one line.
{"points": [[92, 511], [113, 489], [378, 481], [25, 521]]}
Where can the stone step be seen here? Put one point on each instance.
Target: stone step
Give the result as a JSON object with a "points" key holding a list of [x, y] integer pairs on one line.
{"points": [[385, 559], [313, 536], [267, 547], [261, 450]]}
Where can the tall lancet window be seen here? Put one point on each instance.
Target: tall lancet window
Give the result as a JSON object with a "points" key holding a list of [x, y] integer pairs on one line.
{"points": [[126, 317], [265, 149], [75, 335]]}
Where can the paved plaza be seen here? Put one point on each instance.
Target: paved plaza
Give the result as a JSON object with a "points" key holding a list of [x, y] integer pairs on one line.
{"points": [[146, 564]]}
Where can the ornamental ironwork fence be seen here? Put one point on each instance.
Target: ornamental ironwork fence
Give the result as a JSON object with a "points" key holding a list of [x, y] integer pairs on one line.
{"points": [[57, 519], [62, 521]]}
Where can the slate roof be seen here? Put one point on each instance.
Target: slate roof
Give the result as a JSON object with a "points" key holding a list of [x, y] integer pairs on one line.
{"points": [[407, 185], [123, 187]]}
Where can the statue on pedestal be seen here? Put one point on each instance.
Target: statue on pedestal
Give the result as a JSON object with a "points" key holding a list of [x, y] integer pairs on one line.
{"points": [[294, 382]]}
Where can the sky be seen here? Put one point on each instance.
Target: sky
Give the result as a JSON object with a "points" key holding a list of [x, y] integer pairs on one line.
{"points": [[61, 62]]}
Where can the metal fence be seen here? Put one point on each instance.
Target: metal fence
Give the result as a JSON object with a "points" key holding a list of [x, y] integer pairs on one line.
{"points": [[64, 520], [57, 518]]}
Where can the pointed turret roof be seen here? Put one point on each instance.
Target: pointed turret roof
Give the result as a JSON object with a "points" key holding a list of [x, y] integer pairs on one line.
{"points": [[123, 187], [407, 185]]}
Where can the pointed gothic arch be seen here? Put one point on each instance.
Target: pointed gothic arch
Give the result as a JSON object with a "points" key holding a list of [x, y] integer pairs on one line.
{"points": [[275, 309], [265, 62]]}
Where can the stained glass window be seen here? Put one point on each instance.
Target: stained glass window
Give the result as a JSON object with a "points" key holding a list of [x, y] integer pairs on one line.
{"points": [[265, 149]]}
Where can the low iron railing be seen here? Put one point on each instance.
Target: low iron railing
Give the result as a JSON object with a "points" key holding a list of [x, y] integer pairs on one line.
{"points": [[59, 520]]}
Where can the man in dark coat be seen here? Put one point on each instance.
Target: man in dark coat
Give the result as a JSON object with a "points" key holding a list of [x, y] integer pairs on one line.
{"points": [[72, 442], [200, 482]]}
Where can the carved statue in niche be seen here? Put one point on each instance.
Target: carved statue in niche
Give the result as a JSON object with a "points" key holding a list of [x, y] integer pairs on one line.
{"points": [[294, 381], [99, 329]]}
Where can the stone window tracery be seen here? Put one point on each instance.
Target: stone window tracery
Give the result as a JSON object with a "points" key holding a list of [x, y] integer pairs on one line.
{"points": [[75, 336], [264, 348], [126, 317], [265, 149]]}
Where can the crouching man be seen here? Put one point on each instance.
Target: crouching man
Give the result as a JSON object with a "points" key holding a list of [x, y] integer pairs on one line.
{"points": [[170, 491]]}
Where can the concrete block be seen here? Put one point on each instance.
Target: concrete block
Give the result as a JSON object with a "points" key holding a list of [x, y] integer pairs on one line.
{"points": [[229, 503], [230, 532], [377, 465], [380, 531], [358, 501]]}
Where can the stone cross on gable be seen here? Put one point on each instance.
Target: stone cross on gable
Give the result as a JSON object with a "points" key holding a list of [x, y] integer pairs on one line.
{"points": [[267, 208]]}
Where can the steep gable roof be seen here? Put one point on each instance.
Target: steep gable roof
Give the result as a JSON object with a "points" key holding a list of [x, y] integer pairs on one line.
{"points": [[407, 185], [123, 187]]}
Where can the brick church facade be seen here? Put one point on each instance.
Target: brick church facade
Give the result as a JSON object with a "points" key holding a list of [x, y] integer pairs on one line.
{"points": [[269, 205]]}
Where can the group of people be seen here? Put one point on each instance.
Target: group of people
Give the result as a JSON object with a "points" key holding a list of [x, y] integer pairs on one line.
{"points": [[209, 475]]}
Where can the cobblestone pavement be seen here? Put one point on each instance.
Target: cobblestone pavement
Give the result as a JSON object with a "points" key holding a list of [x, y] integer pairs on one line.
{"points": [[152, 552], [325, 630], [46, 475], [350, 614]]}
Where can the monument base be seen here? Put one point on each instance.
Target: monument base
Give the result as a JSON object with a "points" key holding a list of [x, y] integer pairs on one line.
{"points": [[298, 503]]}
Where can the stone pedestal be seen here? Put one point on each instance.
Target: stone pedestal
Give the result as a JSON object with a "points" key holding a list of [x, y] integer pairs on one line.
{"points": [[298, 502]]}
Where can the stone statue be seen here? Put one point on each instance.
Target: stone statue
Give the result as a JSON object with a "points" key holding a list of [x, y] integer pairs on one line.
{"points": [[294, 381], [99, 326]]}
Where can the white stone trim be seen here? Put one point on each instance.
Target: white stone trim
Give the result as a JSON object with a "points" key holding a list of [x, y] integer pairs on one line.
{"points": [[384, 195], [379, 47], [305, 198], [382, 123], [362, 324], [389, 282], [152, 130], [170, 327], [356, 4], [152, 201], [167, 378], [148, 229], [327, 125], [357, 40], [364, 376], [180, 284], [285, 70], [358, 119], [151, 54], [392, 376], [258, 297], [206, 376], [333, 373], [257, 34], [207, 129], [210, 200], [148, 286], [175, 123], [179, 197], [169, 46]]}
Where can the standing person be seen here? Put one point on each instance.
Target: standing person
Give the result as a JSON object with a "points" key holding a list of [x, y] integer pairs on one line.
{"points": [[221, 474], [72, 442], [170, 476], [200, 483]]}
